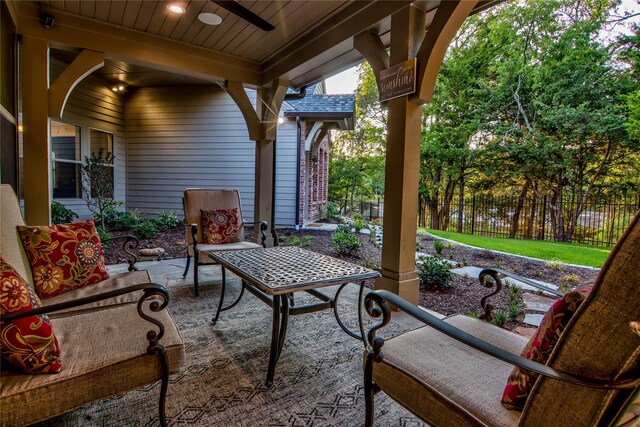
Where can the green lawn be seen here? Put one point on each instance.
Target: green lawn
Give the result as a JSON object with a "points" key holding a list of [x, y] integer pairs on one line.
{"points": [[565, 252]]}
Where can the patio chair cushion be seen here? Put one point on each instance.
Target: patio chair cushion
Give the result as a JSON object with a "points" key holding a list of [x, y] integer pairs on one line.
{"points": [[541, 345], [220, 226], [63, 257], [114, 282], [100, 356], [445, 381], [28, 343], [205, 249]]}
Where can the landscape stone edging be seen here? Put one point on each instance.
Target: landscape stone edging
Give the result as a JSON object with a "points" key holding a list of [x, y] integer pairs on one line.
{"points": [[507, 253]]}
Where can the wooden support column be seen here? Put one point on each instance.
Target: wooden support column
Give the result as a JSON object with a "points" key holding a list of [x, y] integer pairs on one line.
{"points": [[36, 149], [402, 170], [262, 124]]}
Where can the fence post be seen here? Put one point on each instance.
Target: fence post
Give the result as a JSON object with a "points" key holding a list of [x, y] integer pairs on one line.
{"points": [[473, 214], [544, 216]]}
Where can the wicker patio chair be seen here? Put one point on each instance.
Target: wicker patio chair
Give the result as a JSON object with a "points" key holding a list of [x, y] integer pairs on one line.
{"points": [[453, 371], [197, 199]]}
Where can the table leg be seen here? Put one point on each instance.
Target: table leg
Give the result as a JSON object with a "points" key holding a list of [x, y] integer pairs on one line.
{"points": [[278, 333], [224, 283]]}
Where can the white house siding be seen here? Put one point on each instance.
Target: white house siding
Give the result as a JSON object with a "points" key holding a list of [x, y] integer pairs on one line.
{"points": [[92, 104], [182, 137]]}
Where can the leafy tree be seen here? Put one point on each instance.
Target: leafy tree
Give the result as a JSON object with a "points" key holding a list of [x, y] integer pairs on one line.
{"points": [[97, 184]]}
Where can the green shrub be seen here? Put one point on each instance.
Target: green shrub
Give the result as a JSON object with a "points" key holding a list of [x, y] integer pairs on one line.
{"points": [[345, 243], [434, 272], [343, 228], [60, 214], [103, 233], [438, 246], [169, 219], [473, 313], [306, 241], [129, 220], [146, 229], [332, 210], [555, 264]]}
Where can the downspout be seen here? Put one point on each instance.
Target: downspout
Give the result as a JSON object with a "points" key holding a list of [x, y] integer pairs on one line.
{"points": [[299, 141], [294, 96]]}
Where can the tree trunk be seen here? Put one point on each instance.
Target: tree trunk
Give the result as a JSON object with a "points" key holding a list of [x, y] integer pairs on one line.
{"points": [[516, 215], [461, 202]]}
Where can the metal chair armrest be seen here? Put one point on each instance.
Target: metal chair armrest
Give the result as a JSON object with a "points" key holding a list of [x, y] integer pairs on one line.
{"points": [[378, 303]]}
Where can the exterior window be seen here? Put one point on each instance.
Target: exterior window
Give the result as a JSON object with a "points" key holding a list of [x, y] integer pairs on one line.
{"points": [[65, 147], [100, 141]]}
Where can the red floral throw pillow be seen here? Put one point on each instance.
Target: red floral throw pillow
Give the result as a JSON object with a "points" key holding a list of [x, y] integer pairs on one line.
{"points": [[541, 345], [220, 226], [63, 257], [27, 343]]}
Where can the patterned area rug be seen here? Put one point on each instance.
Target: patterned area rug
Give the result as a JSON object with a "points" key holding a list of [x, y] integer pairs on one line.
{"points": [[318, 379]]}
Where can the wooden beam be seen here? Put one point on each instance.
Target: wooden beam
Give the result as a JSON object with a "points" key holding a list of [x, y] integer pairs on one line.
{"points": [[36, 149], [137, 47], [446, 23], [268, 105], [86, 63], [371, 47], [353, 19], [239, 95]]}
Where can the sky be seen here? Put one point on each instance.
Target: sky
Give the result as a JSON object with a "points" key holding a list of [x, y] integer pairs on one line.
{"points": [[346, 81]]}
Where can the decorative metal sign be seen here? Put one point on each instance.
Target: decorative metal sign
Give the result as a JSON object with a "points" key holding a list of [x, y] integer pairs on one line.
{"points": [[398, 80]]}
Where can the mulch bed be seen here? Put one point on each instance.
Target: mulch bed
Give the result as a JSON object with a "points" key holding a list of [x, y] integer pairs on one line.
{"points": [[461, 297]]}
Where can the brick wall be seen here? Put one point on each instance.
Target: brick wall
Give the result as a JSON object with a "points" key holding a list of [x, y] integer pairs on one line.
{"points": [[318, 179]]}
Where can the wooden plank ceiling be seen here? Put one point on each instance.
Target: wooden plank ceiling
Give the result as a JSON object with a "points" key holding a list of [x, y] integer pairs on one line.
{"points": [[311, 39]]}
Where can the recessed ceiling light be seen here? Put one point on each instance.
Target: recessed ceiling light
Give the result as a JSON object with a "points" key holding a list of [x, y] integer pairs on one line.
{"points": [[176, 8], [210, 18]]}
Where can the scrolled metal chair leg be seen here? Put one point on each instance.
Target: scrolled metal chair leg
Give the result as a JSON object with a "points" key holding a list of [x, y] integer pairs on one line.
{"points": [[159, 350], [186, 269], [196, 284]]}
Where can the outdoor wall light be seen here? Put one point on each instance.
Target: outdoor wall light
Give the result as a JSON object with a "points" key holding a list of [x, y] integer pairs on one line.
{"points": [[176, 8], [47, 20], [280, 120]]}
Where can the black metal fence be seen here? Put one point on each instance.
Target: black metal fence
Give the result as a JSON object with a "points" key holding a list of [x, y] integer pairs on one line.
{"points": [[370, 210], [598, 223]]}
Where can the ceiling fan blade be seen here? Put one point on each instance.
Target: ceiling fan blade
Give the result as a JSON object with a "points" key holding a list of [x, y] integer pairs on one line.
{"points": [[244, 13]]}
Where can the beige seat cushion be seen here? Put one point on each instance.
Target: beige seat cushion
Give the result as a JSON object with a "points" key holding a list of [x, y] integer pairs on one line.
{"points": [[446, 382], [102, 353], [114, 282], [205, 249]]}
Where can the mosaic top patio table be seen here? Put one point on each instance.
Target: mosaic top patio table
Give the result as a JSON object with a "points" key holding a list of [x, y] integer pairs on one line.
{"points": [[274, 274]]}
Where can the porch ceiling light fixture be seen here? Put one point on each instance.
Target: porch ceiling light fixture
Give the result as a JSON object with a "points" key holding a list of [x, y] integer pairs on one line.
{"points": [[176, 8], [210, 18], [118, 88]]}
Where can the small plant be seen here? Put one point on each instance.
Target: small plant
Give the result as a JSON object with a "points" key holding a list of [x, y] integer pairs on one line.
{"points": [[464, 261], [97, 184], [103, 233], [438, 246], [571, 278], [500, 318], [343, 228], [293, 241], [556, 265], [146, 229], [434, 272], [306, 241], [169, 219], [473, 313], [514, 309], [564, 288], [514, 292], [60, 214], [498, 264], [345, 243], [537, 273], [359, 224], [370, 261]]}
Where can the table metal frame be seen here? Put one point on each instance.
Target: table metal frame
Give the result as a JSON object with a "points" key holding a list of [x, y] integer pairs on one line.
{"points": [[273, 275]]}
